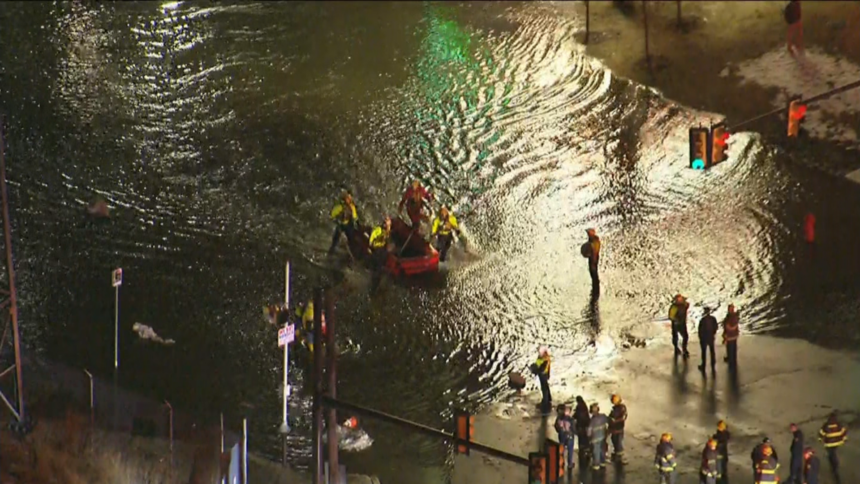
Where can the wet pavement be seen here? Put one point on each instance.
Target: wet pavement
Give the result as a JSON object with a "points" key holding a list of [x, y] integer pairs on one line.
{"points": [[779, 381], [220, 134]]}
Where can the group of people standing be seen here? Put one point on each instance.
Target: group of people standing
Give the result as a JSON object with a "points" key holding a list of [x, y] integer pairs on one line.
{"points": [[595, 430], [708, 328]]}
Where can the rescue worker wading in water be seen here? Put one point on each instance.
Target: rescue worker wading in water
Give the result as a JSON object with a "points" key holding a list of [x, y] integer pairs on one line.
{"points": [[345, 216], [444, 227], [305, 312], [678, 317], [415, 198], [591, 251], [379, 239]]}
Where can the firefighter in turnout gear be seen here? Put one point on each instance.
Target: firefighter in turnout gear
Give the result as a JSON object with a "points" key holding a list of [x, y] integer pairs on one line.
{"points": [[597, 436], [722, 437], [617, 417], [664, 460], [709, 470], [767, 466], [833, 435], [757, 455]]}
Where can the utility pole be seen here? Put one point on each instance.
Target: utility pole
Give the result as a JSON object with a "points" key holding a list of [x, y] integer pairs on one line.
{"points": [[317, 424], [587, 21], [647, 47], [331, 371], [16, 405]]}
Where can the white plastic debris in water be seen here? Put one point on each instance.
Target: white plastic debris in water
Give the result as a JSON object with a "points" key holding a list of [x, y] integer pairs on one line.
{"points": [[807, 75], [147, 333], [351, 439]]}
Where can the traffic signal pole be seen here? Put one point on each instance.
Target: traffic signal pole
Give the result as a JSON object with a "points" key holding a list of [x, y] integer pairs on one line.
{"points": [[328, 401]]}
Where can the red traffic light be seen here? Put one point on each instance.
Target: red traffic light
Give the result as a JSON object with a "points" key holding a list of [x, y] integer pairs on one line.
{"points": [[722, 140]]}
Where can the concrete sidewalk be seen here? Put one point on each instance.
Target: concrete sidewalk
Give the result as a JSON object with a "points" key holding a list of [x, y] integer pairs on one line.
{"points": [[780, 381]]}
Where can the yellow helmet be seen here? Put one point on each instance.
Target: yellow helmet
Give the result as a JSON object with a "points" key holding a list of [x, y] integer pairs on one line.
{"points": [[615, 399], [767, 450], [667, 437], [721, 425]]}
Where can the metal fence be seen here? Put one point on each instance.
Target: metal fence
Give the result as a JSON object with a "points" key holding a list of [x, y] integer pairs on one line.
{"points": [[53, 389]]}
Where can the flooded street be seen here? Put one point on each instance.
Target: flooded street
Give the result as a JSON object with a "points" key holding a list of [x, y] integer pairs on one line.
{"points": [[220, 135]]}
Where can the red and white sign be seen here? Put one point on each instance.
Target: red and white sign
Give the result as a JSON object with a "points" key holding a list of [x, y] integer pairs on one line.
{"points": [[286, 335], [116, 277]]}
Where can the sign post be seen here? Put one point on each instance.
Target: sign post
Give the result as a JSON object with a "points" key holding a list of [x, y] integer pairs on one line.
{"points": [[116, 281], [286, 335]]}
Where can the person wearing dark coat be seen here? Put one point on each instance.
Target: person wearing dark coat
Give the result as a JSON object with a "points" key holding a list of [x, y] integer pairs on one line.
{"points": [[811, 466], [582, 419], [757, 455], [707, 336], [796, 467]]}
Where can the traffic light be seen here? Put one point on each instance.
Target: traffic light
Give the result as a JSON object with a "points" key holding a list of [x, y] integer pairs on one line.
{"points": [[555, 461], [537, 468], [699, 148], [465, 431], [719, 143], [796, 113]]}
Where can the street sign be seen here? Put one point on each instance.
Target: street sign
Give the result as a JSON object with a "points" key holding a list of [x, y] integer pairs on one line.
{"points": [[286, 335], [117, 278]]}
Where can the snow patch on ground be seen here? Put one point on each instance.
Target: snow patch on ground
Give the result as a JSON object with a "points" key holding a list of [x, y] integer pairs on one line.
{"points": [[808, 75]]}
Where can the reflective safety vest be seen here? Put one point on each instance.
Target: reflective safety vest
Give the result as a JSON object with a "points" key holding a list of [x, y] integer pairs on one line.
{"points": [[833, 434], [664, 460], [731, 327], [594, 257], [617, 417], [307, 316], [379, 238], [344, 214], [444, 228], [543, 365], [678, 313], [766, 470], [709, 462]]}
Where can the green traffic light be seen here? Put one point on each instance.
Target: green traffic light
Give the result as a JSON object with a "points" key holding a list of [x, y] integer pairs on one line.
{"points": [[698, 164]]}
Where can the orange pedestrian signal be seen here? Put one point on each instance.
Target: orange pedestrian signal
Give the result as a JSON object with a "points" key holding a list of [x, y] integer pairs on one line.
{"points": [[796, 114], [537, 468], [699, 152], [465, 431], [555, 461], [719, 143]]}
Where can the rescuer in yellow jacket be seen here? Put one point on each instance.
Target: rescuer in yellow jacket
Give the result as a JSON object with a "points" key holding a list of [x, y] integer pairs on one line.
{"points": [[379, 239], [541, 368], [444, 227], [305, 313], [345, 216]]}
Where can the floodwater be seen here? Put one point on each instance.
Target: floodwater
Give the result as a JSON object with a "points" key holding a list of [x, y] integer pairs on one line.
{"points": [[220, 134]]}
